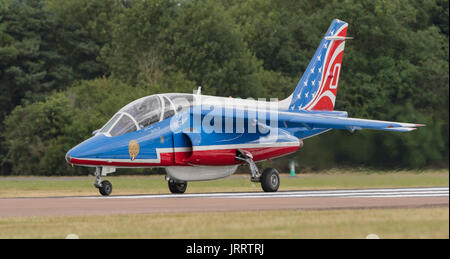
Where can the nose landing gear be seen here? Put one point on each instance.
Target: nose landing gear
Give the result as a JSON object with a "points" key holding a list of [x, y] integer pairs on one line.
{"points": [[104, 187]]}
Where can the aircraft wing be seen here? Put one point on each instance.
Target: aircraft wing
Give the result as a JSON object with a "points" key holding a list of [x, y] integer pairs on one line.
{"points": [[312, 121]]}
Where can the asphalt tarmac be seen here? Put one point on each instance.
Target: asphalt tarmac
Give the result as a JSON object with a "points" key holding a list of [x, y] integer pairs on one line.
{"points": [[224, 202]]}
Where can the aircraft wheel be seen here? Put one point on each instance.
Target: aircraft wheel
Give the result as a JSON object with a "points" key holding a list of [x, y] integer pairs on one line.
{"points": [[106, 188], [270, 180], [177, 187]]}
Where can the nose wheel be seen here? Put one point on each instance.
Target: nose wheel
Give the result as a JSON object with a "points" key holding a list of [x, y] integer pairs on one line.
{"points": [[104, 187]]}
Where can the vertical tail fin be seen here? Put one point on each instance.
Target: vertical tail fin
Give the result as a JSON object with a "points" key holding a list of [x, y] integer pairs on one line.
{"points": [[317, 88]]}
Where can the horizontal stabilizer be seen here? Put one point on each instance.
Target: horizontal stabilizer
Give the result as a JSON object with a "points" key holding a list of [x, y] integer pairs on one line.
{"points": [[350, 124], [338, 38]]}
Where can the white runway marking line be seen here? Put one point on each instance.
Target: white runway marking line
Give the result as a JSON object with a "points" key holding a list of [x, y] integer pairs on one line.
{"points": [[361, 193]]}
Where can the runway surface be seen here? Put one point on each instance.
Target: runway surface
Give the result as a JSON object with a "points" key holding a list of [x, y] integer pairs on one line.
{"points": [[210, 202]]}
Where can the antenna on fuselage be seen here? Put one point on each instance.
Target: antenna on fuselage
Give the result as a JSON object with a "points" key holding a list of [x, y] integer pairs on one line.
{"points": [[199, 90]]}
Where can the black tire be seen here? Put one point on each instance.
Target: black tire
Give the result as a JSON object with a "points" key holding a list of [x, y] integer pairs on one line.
{"points": [[270, 180], [106, 188], [177, 187]]}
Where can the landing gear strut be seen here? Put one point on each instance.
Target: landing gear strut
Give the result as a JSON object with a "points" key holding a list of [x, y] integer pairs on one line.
{"points": [[269, 179], [247, 158], [104, 187]]}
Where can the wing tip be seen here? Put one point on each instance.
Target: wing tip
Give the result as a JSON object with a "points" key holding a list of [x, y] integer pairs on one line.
{"points": [[399, 129], [409, 125]]}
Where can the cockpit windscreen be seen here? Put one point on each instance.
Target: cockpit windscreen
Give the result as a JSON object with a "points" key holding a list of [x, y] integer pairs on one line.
{"points": [[144, 112]]}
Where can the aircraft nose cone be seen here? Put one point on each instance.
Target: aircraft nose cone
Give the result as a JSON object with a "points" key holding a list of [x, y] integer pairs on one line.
{"points": [[89, 148], [68, 157]]}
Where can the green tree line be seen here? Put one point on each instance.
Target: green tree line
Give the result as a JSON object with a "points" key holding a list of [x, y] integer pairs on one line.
{"points": [[66, 66]]}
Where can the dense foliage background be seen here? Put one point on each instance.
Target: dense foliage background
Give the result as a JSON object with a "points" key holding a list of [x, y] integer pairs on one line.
{"points": [[66, 66]]}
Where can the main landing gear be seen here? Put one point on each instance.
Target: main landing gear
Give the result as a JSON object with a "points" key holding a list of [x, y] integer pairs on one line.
{"points": [[269, 179], [176, 186], [104, 187]]}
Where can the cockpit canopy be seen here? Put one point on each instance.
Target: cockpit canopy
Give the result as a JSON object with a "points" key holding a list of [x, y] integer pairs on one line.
{"points": [[146, 111]]}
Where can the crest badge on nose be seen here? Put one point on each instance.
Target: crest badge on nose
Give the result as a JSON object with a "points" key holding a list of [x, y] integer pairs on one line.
{"points": [[133, 149]]}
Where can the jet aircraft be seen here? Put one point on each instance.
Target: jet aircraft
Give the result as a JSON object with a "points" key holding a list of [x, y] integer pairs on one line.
{"points": [[197, 137]]}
